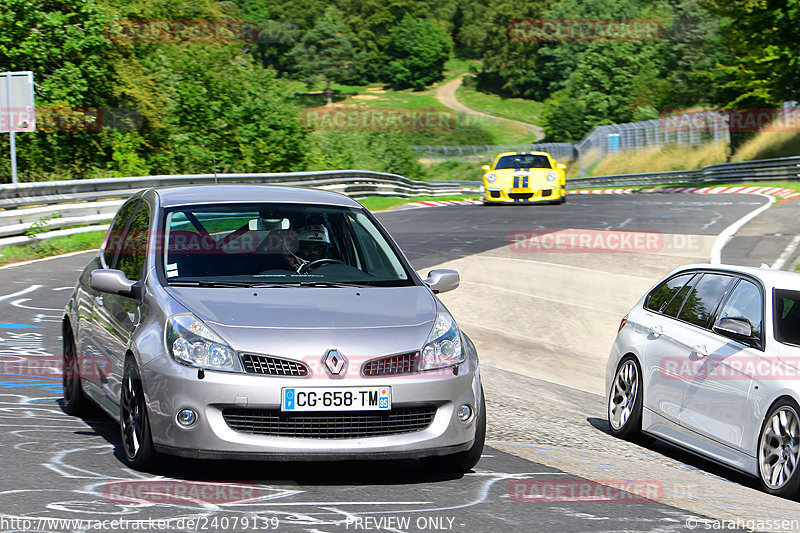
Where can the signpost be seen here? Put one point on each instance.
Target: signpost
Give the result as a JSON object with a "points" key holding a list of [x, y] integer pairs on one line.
{"points": [[17, 111]]}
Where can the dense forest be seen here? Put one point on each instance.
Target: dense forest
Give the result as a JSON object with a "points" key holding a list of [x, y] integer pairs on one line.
{"points": [[216, 81]]}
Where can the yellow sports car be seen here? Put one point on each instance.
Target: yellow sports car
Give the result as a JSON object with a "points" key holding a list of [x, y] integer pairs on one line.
{"points": [[524, 177]]}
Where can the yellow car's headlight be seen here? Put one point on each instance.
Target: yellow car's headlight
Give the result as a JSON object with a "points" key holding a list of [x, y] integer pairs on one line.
{"points": [[491, 178], [551, 176]]}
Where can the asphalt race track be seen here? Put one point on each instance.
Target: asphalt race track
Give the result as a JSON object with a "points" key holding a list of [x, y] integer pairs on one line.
{"points": [[59, 467]]}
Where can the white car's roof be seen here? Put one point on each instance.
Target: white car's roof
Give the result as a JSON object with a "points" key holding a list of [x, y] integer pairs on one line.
{"points": [[771, 278], [216, 194]]}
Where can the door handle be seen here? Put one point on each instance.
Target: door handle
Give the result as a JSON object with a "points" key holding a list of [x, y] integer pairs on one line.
{"points": [[656, 330], [700, 350]]}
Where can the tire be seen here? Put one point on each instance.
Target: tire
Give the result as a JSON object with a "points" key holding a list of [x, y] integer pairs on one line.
{"points": [[779, 450], [75, 401], [625, 400], [466, 460], [137, 442]]}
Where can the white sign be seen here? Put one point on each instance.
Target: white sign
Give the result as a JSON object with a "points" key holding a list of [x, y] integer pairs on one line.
{"points": [[17, 111]]}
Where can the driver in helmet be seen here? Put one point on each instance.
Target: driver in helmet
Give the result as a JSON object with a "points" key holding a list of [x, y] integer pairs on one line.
{"points": [[312, 245]]}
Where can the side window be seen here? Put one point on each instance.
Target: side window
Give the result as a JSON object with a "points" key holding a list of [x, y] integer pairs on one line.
{"points": [[116, 232], [702, 301], [787, 316], [745, 302], [134, 247], [675, 305], [662, 295]]}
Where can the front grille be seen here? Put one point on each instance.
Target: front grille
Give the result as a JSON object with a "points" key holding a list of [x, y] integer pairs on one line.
{"points": [[346, 425], [547, 192], [494, 194], [520, 195], [273, 366], [391, 366]]}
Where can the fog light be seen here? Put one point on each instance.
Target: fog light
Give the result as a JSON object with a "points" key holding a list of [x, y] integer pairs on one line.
{"points": [[186, 417], [465, 413]]}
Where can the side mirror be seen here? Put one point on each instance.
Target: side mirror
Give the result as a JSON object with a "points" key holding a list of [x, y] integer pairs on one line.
{"points": [[561, 166], [442, 280], [735, 328], [113, 282], [486, 168]]}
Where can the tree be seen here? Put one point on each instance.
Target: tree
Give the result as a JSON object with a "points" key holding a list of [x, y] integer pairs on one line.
{"points": [[764, 57], [418, 50], [326, 52]]}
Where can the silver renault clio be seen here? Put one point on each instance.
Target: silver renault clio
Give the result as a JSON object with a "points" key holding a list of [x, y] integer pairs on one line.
{"points": [[257, 322]]}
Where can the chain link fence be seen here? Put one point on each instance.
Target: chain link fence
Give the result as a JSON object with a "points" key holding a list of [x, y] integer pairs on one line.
{"points": [[688, 129]]}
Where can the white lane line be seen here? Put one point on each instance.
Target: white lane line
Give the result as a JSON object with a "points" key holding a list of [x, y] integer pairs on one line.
{"points": [[20, 293], [19, 303], [64, 288], [539, 297], [788, 252], [723, 238]]}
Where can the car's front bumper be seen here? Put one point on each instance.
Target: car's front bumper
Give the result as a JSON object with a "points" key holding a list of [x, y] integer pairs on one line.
{"points": [[521, 196], [170, 387]]}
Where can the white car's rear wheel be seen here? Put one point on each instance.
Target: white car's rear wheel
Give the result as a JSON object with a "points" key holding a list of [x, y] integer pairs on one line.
{"points": [[779, 450]]}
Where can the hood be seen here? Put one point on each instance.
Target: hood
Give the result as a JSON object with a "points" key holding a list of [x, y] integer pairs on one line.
{"points": [[297, 321]]}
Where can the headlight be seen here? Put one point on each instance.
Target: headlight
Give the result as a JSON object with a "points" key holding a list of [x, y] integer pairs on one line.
{"points": [[491, 178], [443, 347], [191, 342], [551, 176]]}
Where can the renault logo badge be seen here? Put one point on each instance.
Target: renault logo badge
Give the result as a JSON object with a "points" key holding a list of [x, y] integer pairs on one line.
{"points": [[334, 363]]}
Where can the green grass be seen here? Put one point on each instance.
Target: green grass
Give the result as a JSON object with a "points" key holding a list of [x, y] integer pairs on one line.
{"points": [[376, 96], [455, 67], [520, 109], [380, 203], [453, 170], [55, 246]]}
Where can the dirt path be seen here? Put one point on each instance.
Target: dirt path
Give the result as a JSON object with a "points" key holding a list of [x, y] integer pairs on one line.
{"points": [[446, 94]]}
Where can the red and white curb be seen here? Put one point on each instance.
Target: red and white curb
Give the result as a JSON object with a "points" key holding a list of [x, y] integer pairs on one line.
{"points": [[602, 191], [441, 203], [769, 191]]}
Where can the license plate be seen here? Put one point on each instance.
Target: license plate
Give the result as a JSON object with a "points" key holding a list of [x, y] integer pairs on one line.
{"points": [[336, 399], [520, 190]]}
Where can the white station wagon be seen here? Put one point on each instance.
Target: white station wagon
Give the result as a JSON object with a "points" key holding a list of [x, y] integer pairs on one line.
{"points": [[709, 360]]}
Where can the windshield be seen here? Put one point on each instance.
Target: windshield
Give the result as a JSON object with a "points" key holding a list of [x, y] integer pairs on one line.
{"points": [[253, 244], [523, 161]]}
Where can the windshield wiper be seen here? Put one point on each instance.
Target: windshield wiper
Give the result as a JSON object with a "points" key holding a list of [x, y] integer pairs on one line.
{"points": [[327, 284], [210, 283]]}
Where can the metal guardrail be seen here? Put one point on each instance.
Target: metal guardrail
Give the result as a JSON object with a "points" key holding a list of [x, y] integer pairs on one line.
{"points": [[355, 183], [785, 168], [81, 202]]}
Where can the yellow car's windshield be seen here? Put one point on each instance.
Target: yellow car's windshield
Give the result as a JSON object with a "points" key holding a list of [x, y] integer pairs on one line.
{"points": [[523, 161]]}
